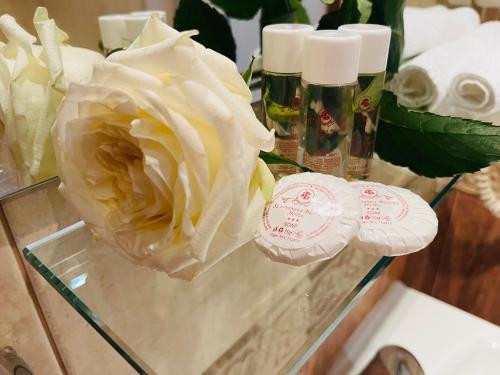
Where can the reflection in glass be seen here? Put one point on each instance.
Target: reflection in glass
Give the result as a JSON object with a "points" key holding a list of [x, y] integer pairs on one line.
{"points": [[245, 315]]}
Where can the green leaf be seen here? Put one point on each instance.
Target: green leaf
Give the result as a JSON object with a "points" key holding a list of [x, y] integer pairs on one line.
{"points": [[390, 13], [300, 15], [365, 8], [215, 32], [271, 158], [247, 74], [241, 9], [283, 11], [433, 145], [348, 13], [100, 46], [328, 2]]}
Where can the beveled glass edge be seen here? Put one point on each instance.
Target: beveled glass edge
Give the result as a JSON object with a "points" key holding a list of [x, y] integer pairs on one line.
{"points": [[24, 189], [56, 235], [442, 193], [345, 308], [83, 310]]}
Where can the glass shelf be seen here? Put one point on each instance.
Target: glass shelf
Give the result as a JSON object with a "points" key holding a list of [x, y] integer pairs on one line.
{"points": [[9, 184], [245, 315], [8, 191]]}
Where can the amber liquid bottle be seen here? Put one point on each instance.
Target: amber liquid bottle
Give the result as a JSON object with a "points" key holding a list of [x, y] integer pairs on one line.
{"points": [[281, 93], [375, 40]]}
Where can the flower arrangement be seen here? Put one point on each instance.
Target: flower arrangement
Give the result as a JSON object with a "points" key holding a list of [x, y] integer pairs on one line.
{"points": [[158, 147]]}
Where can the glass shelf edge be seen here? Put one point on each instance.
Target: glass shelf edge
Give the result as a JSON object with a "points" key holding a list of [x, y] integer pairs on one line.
{"points": [[81, 308], [55, 236], [444, 191], [358, 292], [25, 189], [292, 367]]}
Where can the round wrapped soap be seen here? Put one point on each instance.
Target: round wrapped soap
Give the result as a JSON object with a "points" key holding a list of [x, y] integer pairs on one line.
{"points": [[394, 221], [312, 217]]}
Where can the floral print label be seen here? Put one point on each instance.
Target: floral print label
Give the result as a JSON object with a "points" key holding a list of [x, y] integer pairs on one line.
{"points": [[380, 205], [329, 164], [300, 215], [327, 118]]}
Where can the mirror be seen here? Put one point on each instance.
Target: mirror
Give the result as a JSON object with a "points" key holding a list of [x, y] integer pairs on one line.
{"points": [[28, 102], [37, 63]]}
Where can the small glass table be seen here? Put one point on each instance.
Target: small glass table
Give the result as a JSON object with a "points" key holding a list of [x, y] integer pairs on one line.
{"points": [[245, 315]]}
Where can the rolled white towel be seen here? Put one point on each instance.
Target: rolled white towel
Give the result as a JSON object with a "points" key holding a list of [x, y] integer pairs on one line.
{"points": [[426, 28], [414, 86], [472, 92], [426, 80], [473, 96], [475, 92]]}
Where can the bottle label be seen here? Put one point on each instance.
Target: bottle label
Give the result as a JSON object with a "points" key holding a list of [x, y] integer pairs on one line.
{"points": [[328, 119], [300, 215], [367, 105], [288, 149], [380, 205], [331, 163], [359, 168]]}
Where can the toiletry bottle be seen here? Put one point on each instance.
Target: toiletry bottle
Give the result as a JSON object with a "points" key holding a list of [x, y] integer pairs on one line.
{"points": [[375, 40], [282, 63], [113, 32], [329, 79]]}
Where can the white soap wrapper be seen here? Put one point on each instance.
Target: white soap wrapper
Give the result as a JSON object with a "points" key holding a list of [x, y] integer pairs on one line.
{"points": [[394, 221], [312, 217]]}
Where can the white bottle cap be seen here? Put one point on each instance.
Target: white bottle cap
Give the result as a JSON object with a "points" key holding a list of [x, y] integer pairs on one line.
{"points": [[331, 57], [312, 217], [375, 41], [282, 47], [134, 24], [394, 221], [160, 13], [113, 31]]}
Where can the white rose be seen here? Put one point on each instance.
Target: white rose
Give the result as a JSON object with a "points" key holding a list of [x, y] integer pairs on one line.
{"points": [[159, 153], [33, 80]]}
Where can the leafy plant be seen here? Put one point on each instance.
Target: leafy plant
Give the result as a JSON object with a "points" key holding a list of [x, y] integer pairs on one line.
{"points": [[248, 73], [214, 28], [282, 11], [433, 145], [215, 31], [347, 13], [390, 13], [382, 12], [428, 144], [271, 158], [241, 9]]}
